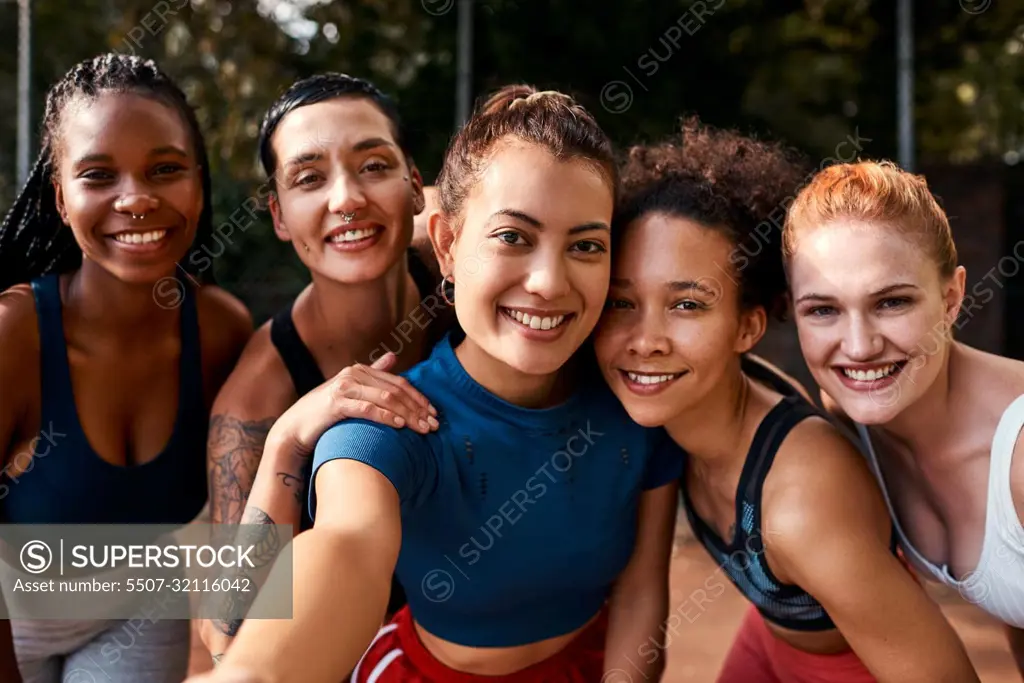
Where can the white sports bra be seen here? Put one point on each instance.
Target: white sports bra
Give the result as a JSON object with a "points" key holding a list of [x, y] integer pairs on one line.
{"points": [[997, 584]]}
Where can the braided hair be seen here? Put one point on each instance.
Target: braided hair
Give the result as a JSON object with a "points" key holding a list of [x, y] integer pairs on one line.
{"points": [[33, 238]]}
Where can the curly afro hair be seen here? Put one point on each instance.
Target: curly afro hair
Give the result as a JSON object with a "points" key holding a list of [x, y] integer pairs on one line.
{"points": [[727, 182]]}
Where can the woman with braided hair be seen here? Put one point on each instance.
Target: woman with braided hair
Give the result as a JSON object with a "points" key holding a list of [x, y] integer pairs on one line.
{"points": [[114, 344]]}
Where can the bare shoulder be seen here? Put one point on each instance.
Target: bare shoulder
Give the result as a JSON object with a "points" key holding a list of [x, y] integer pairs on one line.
{"points": [[223, 318], [259, 385], [819, 484], [19, 335], [774, 368], [996, 381], [18, 316], [19, 364]]}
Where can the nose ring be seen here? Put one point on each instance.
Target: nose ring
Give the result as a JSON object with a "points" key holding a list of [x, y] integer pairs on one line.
{"points": [[348, 216]]}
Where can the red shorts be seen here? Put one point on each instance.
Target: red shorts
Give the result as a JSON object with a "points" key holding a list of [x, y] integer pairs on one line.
{"points": [[757, 656], [397, 655]]}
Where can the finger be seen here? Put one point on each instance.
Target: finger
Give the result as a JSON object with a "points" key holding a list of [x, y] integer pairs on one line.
{"points": [[362, 386], [419, 406], [385, 362], [371, 411], [384, 396], [403, 386]]}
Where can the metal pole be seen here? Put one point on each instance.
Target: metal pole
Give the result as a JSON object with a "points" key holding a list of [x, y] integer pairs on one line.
{"points": [[464, 89], [24, 92], [905, 82]]}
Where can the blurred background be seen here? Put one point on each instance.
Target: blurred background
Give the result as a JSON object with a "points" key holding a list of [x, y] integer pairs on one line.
{"points": [[823, 75], [937, 85]]}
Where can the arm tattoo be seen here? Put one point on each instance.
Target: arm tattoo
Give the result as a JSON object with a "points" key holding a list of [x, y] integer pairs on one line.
{"points": [[266, 543], [234, 448], [297, 485]]}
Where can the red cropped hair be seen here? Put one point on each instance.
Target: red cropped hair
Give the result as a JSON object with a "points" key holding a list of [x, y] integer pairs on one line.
{"points": [[874, 192]]}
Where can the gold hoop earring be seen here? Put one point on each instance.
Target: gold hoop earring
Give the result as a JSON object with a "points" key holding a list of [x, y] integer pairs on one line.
{"points": [[448, 291]]}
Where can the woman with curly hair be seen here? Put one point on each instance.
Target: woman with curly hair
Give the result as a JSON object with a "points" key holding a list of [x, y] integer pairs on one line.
{"points": [[775, 493]]}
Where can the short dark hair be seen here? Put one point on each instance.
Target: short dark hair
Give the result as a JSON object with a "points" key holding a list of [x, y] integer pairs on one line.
{"points": [[320, 88]]}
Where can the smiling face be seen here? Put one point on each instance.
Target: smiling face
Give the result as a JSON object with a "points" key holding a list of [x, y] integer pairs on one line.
{"points": [[531, 260], [128, 183], [673, 328], [345, 195], [873, 315]]}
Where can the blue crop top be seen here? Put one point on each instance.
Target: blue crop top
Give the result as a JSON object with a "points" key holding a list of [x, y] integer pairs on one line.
{"points": [[515, 522]]}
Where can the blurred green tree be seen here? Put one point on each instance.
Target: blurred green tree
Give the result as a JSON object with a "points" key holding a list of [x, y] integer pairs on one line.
{"points": [[809, 71]]}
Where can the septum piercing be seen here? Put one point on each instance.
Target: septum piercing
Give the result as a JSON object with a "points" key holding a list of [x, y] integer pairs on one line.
{"points": [[348, 217], [138, 216]]}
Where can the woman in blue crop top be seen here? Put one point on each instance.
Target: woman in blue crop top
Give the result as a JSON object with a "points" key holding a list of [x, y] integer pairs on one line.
{"points": [[533, 529], [782, 501], [114, 344]]}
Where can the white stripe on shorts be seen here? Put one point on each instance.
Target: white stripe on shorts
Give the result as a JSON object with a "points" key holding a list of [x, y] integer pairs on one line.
{"points": [[382, 632], [384, 663]]}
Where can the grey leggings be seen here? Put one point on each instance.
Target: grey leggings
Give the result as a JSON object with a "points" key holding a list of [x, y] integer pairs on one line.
{"points": [[128, 651]]}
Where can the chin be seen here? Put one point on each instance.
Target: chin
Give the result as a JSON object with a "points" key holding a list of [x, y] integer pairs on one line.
{"points": [[647, 416], [533, 362], [868, 408]]}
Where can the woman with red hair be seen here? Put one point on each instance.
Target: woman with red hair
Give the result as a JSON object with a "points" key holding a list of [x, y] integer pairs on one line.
{"points": [[878, 291]]}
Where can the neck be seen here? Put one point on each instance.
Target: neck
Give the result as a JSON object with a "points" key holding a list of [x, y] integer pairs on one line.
{"points": [[99, 301], [712, 431], [920, 426], [362, 313], [507, 383]]}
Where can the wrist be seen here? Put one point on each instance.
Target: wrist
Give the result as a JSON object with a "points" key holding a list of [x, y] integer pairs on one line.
{"points": [[283, 444]]}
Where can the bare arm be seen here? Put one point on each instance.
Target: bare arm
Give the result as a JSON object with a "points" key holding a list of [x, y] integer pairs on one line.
{"points": [[277, 489], [19, 341], [341, 584], [638, 605], [1016, 638], [828, 531]]}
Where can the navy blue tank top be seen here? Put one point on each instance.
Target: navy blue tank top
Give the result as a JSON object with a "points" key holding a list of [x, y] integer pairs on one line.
{"points": [[743, 560], [68, 483]]}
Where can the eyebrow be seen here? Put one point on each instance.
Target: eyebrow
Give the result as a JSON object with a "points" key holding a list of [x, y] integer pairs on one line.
{"points": [[813, 296], [361, 146], [304, 158], [107, 159], [527, 218], [371, 143], [674, 286]]}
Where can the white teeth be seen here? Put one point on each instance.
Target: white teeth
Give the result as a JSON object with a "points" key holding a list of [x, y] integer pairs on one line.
{"points": [[650, 379], [140, 237], [353, 235], [535, 322], [870, 375]]}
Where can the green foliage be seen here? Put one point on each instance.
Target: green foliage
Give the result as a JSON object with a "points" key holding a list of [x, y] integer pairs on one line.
{"points": [[811, 72]]}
